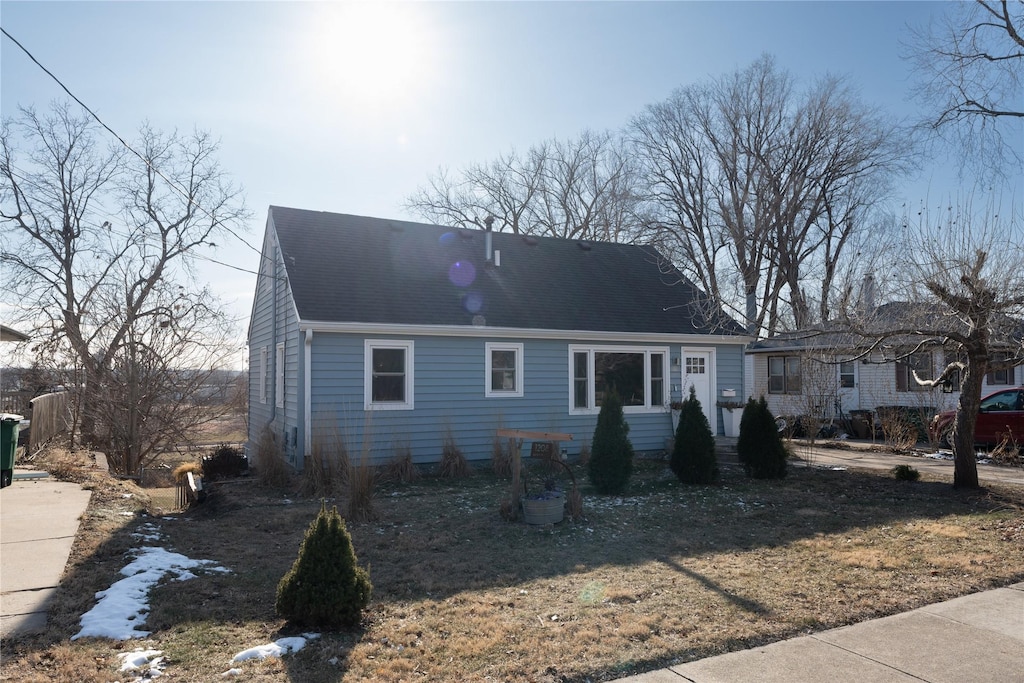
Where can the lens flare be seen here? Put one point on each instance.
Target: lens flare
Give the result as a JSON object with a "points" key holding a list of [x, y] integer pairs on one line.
{"points": [[462, 273], [473, 302]]}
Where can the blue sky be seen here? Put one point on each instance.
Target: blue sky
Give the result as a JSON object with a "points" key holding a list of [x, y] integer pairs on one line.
{"points": [[349, 107]]}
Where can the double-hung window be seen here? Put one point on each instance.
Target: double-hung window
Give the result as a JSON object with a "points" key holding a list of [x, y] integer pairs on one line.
{"points": [[636, 374], [1002, 372], [388, 375], [504, 370], [784, 375], [920, 363]]}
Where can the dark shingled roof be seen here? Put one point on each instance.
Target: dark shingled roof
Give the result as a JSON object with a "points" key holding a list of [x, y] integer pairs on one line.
{"points": [[345, 268]]}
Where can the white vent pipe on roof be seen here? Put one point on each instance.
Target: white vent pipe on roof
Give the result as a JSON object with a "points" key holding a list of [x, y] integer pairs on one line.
{"points": [[488, 246]]}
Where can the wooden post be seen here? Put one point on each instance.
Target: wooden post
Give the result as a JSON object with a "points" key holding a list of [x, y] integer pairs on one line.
{"points": [[515, 444]]}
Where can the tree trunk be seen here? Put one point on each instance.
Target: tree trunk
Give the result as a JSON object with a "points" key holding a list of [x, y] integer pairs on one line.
{"points": [[965, 464]]}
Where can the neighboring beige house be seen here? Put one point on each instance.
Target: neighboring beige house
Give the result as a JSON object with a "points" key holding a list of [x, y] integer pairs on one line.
{"points": [[828, 374]]}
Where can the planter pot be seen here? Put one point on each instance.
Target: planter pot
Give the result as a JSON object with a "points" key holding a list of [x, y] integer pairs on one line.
{"points": [[732, 418], [544, 511]]}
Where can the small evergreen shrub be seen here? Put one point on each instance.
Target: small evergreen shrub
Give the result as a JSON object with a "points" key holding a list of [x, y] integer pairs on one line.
{"points": [[693, 455], [759, 447], [905, 473], [325, 588], [611, 453]]}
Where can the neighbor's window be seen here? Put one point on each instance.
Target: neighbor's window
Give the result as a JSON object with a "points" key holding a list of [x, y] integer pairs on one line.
{"points": [[847, 374], [388, 375], [949, 358], [279, 376], [637, 375], [784, 375], [919, 362], [504, 369], [1000, 375]]}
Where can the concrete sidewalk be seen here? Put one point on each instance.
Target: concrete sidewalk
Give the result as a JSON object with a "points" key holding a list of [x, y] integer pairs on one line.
{"points": [[39, 518], [975, 638]]}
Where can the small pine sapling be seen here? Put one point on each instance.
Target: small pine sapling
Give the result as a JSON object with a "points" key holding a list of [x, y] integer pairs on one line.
{"points": [[325, 588], [760, 448], [747, 442], [693, 455], [611, 453]]}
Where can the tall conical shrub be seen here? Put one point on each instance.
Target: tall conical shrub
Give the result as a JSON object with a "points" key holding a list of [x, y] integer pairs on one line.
{"points": [[611, 453], [693, 456], [747, 442], [325, 588], [759, 446]]}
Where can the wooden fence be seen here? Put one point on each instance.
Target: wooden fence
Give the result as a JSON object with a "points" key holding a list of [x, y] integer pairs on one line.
{"points": [[50, 416]]}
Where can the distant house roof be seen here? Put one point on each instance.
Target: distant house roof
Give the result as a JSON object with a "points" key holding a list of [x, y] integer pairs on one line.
{"points": [[344, 268], [888, 316], [12, 335]]}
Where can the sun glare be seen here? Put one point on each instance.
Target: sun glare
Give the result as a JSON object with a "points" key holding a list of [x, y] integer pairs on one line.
{"points": [[369, 56]]}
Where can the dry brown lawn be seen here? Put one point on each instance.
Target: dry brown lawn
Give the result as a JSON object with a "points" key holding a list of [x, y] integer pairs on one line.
{"points": [[666, 574]]}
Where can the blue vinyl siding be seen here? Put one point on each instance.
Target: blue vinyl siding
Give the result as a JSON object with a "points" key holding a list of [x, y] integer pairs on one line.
{"points": [[266, 331], [729, 376], [449, 392]]}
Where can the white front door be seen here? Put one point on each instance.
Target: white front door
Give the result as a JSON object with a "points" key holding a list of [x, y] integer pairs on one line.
{"points": [[696, 372], [848, 382]]}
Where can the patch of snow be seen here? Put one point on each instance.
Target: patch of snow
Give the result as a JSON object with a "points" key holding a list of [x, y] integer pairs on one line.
{"points": [[123, 606], [148, 663], [148, 532], [278, 648]]}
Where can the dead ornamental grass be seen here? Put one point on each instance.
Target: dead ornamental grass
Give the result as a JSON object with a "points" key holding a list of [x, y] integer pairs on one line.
{"points": [[663, 575]]}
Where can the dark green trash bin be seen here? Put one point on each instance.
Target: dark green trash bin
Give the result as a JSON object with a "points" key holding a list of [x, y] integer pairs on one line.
{"points": [[9, 423]]}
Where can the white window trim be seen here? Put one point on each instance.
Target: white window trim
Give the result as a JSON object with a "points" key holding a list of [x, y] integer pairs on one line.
{"points": [[406, 345], [647, 351], [264, 359], [279, 376], [840, 373], [489, 348]]}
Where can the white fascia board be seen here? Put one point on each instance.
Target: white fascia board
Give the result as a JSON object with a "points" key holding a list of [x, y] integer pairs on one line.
{"points": [[518, 333]]}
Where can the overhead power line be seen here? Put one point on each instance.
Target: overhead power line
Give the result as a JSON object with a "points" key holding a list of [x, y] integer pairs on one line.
{"points": [[177, 188]]}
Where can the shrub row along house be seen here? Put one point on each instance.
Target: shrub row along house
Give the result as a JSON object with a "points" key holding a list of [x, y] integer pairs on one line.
{"points": [[393, 335]]}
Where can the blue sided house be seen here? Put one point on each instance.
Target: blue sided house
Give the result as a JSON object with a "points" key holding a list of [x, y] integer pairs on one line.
{"points": [[391, 334]]}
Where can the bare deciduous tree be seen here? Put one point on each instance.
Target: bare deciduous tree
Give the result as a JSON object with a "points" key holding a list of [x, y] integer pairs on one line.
{"points": [[962, 275], [971, 64], [99, 249], [580, 188], [747, 174]]}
